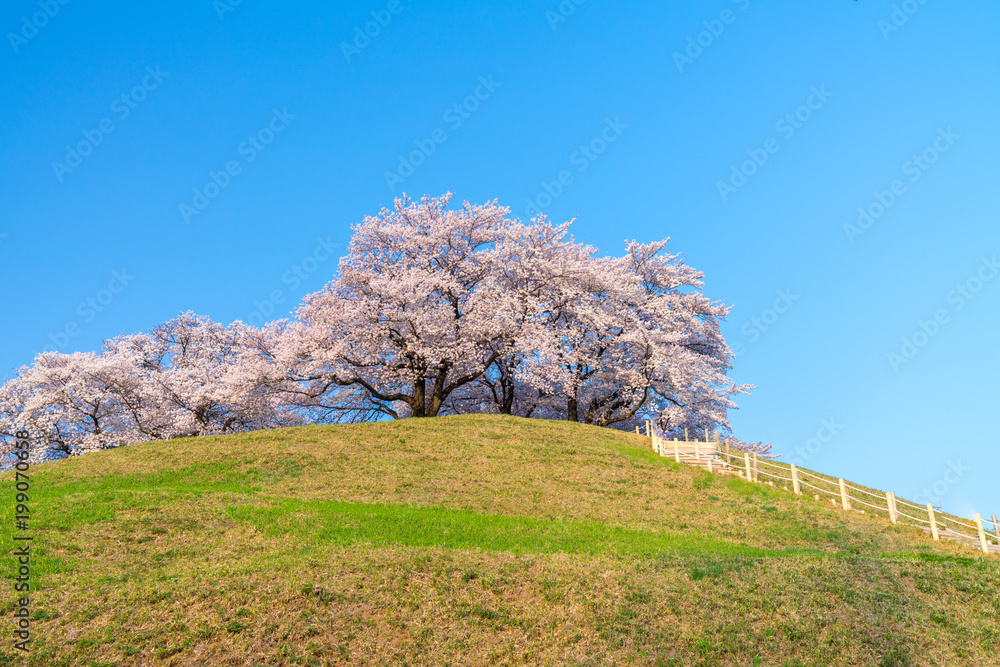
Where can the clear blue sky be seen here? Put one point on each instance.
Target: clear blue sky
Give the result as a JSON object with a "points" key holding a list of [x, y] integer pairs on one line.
{"points": [[182, 86]]}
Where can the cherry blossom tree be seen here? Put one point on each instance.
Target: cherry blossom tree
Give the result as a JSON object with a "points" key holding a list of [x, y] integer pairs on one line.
{"points": [[685, 359], [606, 341], [415, 313], [66, 403], [188, 376], [191, 376]]}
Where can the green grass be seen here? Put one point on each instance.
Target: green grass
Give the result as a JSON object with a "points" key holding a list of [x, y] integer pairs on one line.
{"points": [[474, 540], [342, 524]]}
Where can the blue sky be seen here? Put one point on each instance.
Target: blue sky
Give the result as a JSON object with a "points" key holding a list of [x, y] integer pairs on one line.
{"points": [[212, 157]]}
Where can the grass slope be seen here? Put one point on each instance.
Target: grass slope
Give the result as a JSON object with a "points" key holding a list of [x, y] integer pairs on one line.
{"points": [[473, 540]]}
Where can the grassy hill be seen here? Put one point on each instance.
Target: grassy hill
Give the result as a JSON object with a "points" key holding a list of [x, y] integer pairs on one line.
{"points": [[473, 540]]}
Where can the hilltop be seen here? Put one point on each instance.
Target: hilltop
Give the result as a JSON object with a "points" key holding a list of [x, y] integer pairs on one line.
{"points": [[473, 540]]}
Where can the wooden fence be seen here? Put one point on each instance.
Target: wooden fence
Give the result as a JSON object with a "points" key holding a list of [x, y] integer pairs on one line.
{"points": [[718, 457]]}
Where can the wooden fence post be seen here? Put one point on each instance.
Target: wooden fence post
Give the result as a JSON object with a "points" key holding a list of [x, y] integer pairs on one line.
{"points": [[687, 438], [756, 468], [697, 453], [982, 535], [710, 463], [637, 429], [649, 431], [930, 516], [746, 460], [890, 501], [996, 528], [845, 499], [795, 481], [677, 451]]}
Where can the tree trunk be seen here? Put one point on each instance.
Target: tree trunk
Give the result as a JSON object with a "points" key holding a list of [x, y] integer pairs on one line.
{"points": [[419, 397], [437, 393], [572, 413], [507, 393]]}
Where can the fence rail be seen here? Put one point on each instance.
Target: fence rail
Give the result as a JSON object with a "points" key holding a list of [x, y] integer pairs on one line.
{"points": [[718, 457]]}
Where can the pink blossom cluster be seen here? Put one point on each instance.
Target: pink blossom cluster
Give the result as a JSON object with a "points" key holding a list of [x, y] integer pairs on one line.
{"points": [[189, 376]]}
